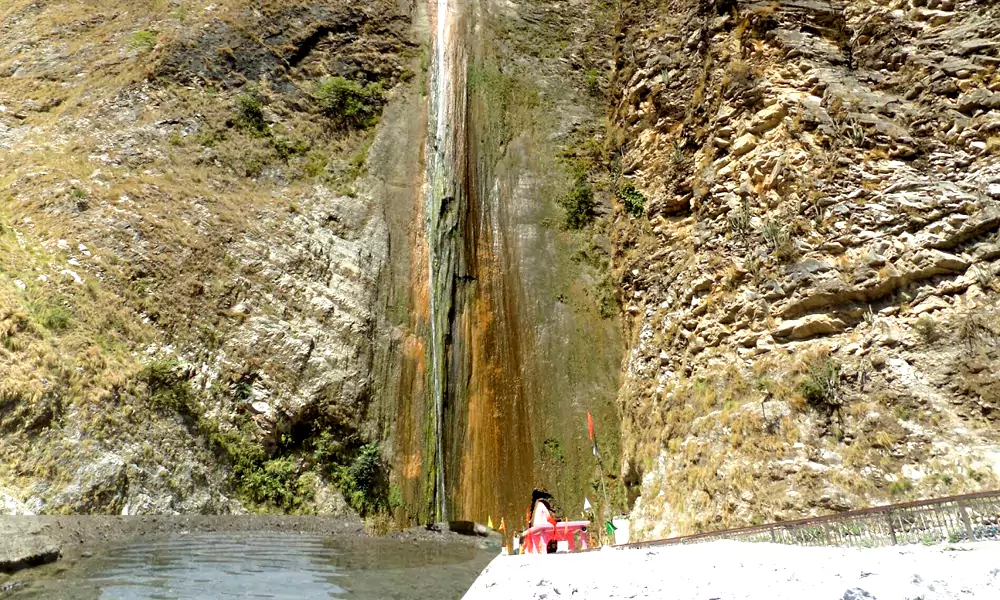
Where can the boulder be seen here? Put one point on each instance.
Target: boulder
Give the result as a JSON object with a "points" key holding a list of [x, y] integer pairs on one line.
{"points": [[22, 550], [808, 326], [978, 99], [743, 144], [768, 119]]}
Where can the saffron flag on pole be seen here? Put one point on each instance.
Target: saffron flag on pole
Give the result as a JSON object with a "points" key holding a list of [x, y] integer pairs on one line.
{"points": [[503, 526], [489, 522], [590, 425]]}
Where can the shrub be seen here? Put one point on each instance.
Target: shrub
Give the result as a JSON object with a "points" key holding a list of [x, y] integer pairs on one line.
{"points": [[250, 113], [974, 328], [286, 148], [928, 329], [349, 103], [820, 383], [632, 199], [168, 388], [594, 82], [739, 220], [579, 203], [364, 482], [607, 298], [778, 240], [900, 486], [277, 483]]}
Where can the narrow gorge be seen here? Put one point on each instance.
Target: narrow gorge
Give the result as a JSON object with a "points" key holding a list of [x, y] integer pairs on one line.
{"points": [[315, 257], [497, 387]]}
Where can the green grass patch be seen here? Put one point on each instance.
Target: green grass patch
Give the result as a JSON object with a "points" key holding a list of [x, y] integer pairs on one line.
{"points": [[143, 40]]}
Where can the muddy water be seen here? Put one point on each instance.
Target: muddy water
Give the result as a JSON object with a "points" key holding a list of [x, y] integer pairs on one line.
{"points": [[265, 565]]}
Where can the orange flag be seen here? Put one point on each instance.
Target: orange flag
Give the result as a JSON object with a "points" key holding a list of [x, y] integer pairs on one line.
{"points": [[590, 425]]}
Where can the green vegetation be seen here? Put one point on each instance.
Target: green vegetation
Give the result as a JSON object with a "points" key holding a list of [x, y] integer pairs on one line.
{"points": [[820, 384], [552, 450], [778, 240], [142, 40], [167, 387], [286, 147], [250, 113], [278, 483], [54, 317], [632, 199], [900, 486], [739, 221], [594, 82], [349, 103], [504, 100], [579, 201], [607, 298]]}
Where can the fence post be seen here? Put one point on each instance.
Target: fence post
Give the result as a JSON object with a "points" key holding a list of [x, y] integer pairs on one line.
{"points": [[892, 528], [774, 539], [962, 512]]}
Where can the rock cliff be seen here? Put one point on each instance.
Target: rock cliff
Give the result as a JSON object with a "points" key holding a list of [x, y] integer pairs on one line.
{"points": [[190, 252], [221, 258], [811, 289]]}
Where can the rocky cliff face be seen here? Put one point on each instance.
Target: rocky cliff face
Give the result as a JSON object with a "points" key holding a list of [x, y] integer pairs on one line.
{"points": [[215, 294], [190, 251], [812, 289]]}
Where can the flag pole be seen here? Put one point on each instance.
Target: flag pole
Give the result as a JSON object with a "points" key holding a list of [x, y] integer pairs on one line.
{"points": [[600, 465]]}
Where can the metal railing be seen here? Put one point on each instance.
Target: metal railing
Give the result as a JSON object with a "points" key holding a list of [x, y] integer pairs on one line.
{"points": [[970, 517]]}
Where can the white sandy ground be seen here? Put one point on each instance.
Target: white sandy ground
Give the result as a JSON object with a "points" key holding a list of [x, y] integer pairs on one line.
{"points": [[727, 570]]}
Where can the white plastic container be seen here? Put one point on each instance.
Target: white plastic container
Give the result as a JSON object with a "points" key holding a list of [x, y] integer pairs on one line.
{"points": [[621, 530]]}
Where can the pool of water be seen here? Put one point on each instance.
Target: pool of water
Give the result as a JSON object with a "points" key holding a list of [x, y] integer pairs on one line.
{"points": [[264, 565]]}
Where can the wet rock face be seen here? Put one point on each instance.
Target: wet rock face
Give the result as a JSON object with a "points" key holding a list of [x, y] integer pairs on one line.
{"points": [[823, 192]]}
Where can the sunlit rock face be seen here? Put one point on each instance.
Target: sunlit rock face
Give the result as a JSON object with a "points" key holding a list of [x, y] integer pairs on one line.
{"points": [[811, 289]]}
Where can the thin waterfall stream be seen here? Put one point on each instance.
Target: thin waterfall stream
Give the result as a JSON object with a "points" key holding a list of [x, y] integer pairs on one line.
{"points": [[440, 190]]}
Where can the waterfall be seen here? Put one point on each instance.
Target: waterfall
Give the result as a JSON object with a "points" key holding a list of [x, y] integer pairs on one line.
{"points": [[440, 187]]}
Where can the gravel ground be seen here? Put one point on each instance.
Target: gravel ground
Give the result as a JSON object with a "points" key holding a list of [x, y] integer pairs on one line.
{"points": [[727, 570]]}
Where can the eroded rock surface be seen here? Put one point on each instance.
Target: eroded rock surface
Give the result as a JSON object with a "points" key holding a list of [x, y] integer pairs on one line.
{"points": [[813, 282]]}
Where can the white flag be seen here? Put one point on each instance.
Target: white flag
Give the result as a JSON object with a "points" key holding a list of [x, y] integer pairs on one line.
{"points": [[586, 504]]}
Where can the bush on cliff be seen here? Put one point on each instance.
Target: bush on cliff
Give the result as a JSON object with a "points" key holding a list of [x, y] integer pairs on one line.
{"points": [[632, 199], [579, 203], [349, 103]]}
